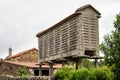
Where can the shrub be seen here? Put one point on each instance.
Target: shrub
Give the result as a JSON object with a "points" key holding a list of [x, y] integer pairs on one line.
{"points": [[22, 72], [78, 74], [108, 72], [97, 74], [62, 74], [102, 73]]}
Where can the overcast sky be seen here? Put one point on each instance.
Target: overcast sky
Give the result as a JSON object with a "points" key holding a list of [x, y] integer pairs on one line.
{"points": [[21, 20]]}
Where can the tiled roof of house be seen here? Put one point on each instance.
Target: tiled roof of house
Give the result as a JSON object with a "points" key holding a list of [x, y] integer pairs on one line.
{"points": [[30, 64], [25, 64], [21, 53]]}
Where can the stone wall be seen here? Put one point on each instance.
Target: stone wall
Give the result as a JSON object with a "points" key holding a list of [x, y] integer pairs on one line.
{"points": [[31, 56], [10, 69], [26, 78]]}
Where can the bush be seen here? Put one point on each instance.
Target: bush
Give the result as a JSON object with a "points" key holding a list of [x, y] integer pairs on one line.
{"points": [[78, 74], [108, 72], [22, 72], [62, 74], [98, 74], [102, 73]]}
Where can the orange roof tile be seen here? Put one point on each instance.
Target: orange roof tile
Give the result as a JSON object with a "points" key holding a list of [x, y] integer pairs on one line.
{"points": [[26, 64], [30, 64]]}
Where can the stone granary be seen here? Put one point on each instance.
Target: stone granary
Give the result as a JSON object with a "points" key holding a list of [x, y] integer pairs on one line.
{"points": [[72, 39], [27, 60]]}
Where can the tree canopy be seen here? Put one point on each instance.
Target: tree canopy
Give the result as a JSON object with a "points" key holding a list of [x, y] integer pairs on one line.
{"points": [[111, 48]]}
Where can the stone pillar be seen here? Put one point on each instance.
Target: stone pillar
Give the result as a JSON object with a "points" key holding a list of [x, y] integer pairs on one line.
{"points": [[96, 63], [50, 69], [40, 70], [63, 64], [81, 62], [77, 64]]}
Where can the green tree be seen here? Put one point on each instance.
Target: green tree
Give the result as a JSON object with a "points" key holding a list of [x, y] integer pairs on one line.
{"points": [[111, 48]]}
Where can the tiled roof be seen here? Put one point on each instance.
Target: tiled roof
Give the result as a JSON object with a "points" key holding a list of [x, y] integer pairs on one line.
{"points": [[25, 64], [30, 64], [21, 53]]}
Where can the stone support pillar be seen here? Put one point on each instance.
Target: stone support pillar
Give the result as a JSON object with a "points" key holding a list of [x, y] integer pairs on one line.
{"points": [[63, 64], [96, 63], [40, 70], [77, 64], [50, 69], [81, 62]]}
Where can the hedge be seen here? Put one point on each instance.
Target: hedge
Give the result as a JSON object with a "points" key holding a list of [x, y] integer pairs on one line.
{"points": [[67, 73]]}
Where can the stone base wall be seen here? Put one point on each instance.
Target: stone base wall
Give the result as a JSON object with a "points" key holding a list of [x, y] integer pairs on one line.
{"points": [[26, 78], [11, 69]]}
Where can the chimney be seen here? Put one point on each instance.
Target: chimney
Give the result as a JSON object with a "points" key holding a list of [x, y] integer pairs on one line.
{"points": [[10, 52]]}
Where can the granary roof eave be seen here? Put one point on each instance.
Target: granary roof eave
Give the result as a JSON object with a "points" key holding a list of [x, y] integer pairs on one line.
{"points": [[59, 23], [86, 6]]}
